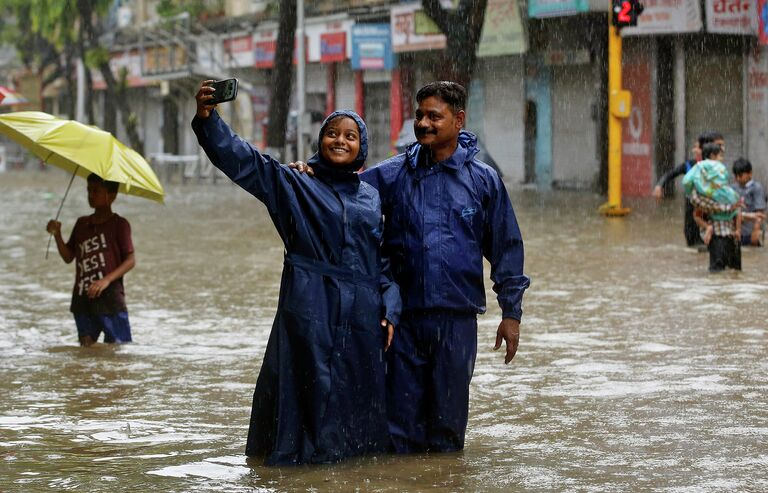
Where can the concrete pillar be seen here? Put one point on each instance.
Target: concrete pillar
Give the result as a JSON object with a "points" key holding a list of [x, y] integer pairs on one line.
{"points": [[681, 146]]}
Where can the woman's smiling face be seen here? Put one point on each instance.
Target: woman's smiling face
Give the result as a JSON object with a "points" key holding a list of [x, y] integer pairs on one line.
{"points": [[340, 144]]}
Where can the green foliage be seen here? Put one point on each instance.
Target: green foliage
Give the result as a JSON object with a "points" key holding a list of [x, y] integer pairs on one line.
{"points": [[170, 8], [94, 57]]}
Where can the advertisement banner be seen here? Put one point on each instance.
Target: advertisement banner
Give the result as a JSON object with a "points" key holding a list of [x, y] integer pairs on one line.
{"points": [[762, 21], [118, 61], [731, 16], [555, 8], [637, 130], [264, 49], [372, 47], [667, 17], [333, 47], [239, 51], [405, 36], [502, 30]]}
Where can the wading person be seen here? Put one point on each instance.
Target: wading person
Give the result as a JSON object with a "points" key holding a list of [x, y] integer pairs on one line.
{"points": [[706, 185], [691, 228], [102, 247], [320, 394], [444, 211], [753, 194]]}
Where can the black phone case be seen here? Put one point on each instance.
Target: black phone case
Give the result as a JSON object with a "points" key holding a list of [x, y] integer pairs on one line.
{"points": [[220, 86]]}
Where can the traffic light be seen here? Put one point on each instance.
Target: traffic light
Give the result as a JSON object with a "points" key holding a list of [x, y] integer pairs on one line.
{"points": [[626, 12]]}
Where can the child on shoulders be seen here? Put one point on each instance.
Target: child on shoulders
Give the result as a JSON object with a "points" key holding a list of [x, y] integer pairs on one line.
{"points": [[706, 185]]}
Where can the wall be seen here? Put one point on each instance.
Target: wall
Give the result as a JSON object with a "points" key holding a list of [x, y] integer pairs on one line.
{"points": [[714, 97], [757, 112], [503, 130]]}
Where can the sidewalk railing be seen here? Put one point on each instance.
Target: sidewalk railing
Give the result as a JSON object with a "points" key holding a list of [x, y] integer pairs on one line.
{"points": [[188, 166]]}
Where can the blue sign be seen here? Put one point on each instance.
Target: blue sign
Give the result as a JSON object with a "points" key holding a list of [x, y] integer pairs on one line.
{"points": [[555, 8], [372, 47]]}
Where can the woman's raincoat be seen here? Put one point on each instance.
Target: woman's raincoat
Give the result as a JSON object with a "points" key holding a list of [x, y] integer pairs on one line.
{"points": [[320, 393]]}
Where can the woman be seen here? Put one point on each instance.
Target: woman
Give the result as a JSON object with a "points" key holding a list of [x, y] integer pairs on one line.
{"points": [[320, 392]]}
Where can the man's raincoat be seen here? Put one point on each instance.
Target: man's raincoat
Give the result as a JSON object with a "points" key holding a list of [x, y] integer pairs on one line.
{"points": [[440, 222], [320, 392]]}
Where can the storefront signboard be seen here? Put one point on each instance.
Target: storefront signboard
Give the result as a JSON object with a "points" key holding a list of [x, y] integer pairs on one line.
{"points": [[732, 16], [502, 30], [667, 17], [333, 47], [372, 47], [238, 51], [555, 8], [405, 36]]}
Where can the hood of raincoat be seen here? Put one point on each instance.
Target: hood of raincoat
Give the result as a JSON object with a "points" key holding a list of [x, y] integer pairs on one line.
{"points": [[317, 161], [466, 139]]}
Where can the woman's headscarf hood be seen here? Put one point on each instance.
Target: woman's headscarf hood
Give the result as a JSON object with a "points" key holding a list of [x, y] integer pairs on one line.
{"points": [[317, 161]]}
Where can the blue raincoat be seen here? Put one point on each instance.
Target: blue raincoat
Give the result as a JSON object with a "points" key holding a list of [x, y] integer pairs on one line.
{"points": [[441, 220], [320, 392]]}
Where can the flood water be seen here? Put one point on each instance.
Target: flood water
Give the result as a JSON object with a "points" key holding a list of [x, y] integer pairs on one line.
{"points": [[637, 370]]}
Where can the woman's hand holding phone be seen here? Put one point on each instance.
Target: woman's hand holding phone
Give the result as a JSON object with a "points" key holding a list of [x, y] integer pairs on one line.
{"points": [[203, 97]]}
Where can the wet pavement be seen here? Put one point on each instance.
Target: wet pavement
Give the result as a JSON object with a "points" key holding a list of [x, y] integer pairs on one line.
{"points": [[637, 370]]}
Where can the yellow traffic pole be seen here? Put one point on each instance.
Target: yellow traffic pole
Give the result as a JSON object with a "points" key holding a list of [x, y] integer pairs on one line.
{"points": [[619, 106]]}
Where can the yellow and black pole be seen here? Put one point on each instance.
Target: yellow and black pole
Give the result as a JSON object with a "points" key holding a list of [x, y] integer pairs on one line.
{"points": [[623, 13]]}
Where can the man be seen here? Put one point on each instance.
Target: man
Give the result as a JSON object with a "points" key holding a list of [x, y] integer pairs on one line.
{"points": [[691, 228]]}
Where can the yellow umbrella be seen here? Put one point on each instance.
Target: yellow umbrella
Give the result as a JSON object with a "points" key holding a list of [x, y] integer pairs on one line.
{"points": [[82, 150]]}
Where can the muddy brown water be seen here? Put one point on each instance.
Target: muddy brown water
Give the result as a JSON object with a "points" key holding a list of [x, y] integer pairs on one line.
{"points": [[637, 370]]}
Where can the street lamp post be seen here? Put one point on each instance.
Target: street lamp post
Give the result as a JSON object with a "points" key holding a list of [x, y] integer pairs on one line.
{"points": [[300, 80]]}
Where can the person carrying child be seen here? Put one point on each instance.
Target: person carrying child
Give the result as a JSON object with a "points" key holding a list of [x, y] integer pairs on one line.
{"points": [[320, 394], [753, 194], [102, 247], [706, 185], [691, 224]]}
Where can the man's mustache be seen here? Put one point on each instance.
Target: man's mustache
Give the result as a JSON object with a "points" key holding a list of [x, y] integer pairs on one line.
{"points": [[424, 131]]}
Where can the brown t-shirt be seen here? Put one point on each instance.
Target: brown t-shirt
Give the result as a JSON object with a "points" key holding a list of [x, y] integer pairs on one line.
{"points": [[99, 249]]}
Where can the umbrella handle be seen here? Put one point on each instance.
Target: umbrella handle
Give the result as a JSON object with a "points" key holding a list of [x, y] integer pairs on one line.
{"points": [[47, 249]]}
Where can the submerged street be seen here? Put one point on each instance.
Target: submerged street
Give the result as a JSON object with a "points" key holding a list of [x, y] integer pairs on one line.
{"points": [[637, 369]]}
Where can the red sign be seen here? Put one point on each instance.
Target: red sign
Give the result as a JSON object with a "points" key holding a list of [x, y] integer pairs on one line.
{"points": [[762, 20], [637, 130], [333, 47], [264, 53], [241, 44]]}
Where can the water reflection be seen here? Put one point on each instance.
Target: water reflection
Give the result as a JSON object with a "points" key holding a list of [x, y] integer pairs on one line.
{"points": [[637, 369]]}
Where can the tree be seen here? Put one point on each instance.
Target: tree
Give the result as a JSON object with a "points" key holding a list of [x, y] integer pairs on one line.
{"points": [[90, 15], [281, 76], [54, 35], [42, 31], [462, 28]]}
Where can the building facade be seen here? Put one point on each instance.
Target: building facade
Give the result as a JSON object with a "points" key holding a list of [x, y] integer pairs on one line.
{"points": [[538, 98]]}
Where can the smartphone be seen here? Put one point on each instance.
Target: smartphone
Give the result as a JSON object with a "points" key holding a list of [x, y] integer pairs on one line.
{"points": [[226, 90]]}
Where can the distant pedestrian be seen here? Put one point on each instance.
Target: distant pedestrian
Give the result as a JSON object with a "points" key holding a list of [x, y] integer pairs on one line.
{"points": [[753, 194], [320, 395], [706, 184], [102, 247], [690, 226]]}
